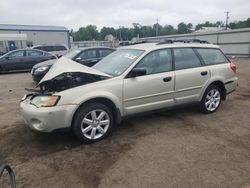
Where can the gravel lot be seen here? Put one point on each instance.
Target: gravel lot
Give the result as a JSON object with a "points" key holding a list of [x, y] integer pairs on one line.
{"points": [[176, 148]]}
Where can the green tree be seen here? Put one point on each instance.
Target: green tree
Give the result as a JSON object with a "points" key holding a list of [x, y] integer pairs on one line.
{"points": [[168, 30], [240, 24], [184, 28], [89, 32], [107, 31]]}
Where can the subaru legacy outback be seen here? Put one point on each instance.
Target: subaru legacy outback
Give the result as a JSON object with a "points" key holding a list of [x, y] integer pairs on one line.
{"points": [[134, 79]]}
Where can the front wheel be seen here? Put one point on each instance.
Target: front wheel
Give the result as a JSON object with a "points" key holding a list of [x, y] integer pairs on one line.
{"points": [[211, 99], [93, 123]]}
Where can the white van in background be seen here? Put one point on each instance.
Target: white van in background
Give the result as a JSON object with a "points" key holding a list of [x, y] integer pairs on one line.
{"points": [[55, 49]]}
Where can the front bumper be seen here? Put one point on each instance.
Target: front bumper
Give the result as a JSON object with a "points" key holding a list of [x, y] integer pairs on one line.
{"points": [[47, 119]]}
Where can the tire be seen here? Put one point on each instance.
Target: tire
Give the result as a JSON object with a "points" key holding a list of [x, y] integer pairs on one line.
{"points": [[93, 122], [211, 99]]}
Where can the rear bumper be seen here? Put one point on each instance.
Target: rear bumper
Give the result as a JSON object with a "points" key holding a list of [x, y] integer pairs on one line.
{"points": [[47, 119], [231, 85]]}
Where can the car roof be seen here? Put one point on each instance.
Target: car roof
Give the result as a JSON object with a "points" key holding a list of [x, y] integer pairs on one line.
{"points": [[94, 47], [24, 49], [49, 45], [155, 46]]}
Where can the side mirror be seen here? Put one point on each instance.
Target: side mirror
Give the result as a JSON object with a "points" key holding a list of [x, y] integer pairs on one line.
{"points": [[78, 59], [138, 72]]}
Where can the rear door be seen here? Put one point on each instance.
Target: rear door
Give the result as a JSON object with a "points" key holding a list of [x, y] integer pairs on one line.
{"points": [[153, 90], [35, 56], [190, 75]]}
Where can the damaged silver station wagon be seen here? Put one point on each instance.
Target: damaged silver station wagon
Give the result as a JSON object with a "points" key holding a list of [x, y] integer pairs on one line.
{"points": [[131, 80]]}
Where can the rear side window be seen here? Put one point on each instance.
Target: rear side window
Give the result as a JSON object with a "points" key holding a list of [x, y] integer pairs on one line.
{"points": [[89, 54], [212, 56], [33, 53], [48, 48], [104, 52], [185, 58], [38, 48], [60, 48]]}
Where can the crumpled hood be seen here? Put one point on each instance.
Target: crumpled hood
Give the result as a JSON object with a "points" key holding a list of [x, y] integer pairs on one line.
{"points": [[65, 65], [45, 63]]}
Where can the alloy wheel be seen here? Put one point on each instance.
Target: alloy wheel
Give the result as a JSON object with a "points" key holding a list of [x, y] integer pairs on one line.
{"points": [[95, 124], [213, 99]]}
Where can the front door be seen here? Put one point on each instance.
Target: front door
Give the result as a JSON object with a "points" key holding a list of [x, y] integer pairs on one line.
{"points": [[153, 90], [15, 60]]}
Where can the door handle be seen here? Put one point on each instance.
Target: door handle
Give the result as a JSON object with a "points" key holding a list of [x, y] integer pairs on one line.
{"points": [[167, 79], [203, 73]]}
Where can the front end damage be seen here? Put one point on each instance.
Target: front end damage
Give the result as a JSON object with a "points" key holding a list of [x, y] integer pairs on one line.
{"points": [[39, 106], [65, 81], [66, 74]]}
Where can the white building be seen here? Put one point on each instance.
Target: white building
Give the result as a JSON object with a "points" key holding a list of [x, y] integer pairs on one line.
{"points": [[35, 35], [211, 29]]}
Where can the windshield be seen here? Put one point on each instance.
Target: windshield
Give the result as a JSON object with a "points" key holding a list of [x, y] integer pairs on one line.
{"points": [[72, 54], [117, 62]]}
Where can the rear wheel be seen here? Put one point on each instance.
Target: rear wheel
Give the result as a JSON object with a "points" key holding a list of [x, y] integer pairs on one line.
{"points": [[211, 99], [93, 123]]}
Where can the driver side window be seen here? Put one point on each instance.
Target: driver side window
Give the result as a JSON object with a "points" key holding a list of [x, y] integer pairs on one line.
{"points": [[16, 54], [157, 62]]}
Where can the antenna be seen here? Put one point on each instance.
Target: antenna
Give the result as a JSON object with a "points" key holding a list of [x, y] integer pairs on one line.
{"points": [[227, 17], [156, 31]]}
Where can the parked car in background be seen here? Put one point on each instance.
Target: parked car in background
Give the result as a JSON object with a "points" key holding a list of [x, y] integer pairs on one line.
{"points": [[87, 56], [135, 79], [56, 49], [23, 59]]}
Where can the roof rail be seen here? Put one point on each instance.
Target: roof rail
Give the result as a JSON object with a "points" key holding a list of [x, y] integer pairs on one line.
{"points": [[128, 43], [184, 41]]}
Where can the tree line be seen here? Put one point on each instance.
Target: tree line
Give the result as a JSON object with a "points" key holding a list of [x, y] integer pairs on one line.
{"points": [[90, 32]]}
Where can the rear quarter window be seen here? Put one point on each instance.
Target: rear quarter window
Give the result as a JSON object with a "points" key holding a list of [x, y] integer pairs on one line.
{"points": [[104, 52], [212, 56]]}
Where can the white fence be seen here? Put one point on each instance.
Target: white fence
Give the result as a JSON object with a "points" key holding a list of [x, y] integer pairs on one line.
{"points": [[232, 42]]}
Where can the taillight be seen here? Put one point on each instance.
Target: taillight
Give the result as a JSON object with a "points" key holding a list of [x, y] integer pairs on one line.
{"points": [[233, 67]]}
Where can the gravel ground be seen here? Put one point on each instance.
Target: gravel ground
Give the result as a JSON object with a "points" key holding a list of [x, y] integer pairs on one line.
{"points": [[176, 148]]}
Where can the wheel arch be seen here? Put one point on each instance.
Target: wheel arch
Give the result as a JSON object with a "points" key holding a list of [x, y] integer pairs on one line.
{"points": [[108, 102], [220, 85]]}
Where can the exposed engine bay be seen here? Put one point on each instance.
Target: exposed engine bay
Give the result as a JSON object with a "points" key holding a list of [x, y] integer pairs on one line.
{"points": [[66, 81]]}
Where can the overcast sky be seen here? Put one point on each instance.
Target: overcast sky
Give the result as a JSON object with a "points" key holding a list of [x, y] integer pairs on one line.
{"points": [[115, 13]]}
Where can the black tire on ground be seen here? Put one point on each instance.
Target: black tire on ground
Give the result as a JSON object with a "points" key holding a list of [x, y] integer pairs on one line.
{"points": [[203, 107], [85, 110]]}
